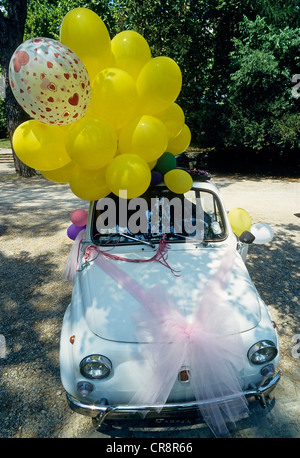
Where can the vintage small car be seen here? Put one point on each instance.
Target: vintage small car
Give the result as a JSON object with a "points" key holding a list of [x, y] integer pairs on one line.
{"points": [[164, 319]]}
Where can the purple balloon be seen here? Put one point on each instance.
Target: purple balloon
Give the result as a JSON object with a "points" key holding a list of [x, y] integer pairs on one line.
{"points": [[74, 230], [156, 177]]}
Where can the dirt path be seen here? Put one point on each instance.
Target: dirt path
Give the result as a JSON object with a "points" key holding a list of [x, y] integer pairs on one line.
{"points": [[33, 249]]}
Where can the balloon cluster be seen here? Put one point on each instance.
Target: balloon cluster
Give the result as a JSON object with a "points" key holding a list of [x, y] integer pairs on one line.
{"points": [[105, 117], [79, 219], [240, 221]]}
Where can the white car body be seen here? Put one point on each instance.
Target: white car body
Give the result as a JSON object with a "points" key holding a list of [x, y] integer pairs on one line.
{"points": [[99, 321]]}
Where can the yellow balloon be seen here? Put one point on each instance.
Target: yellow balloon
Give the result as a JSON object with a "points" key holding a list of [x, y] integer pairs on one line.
{"points": [[61, 175], [86, 34], [178, 181], [158, 84], [152, 164], [240, 220], [173, 118], [180, 142], [128, 176], [131, 52], [41, 146], [145, 136], [114, 97], [88, 184], [91, 142]]}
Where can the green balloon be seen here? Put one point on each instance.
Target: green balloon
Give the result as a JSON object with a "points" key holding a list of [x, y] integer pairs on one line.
{"points": [[165, 163]]}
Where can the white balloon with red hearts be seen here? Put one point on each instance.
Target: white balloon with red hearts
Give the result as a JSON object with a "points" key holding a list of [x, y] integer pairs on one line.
{"points": [[49, 81]]}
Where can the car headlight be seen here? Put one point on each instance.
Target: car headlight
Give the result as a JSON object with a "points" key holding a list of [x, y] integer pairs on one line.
{"points": [[95, 367], [262, 352]]}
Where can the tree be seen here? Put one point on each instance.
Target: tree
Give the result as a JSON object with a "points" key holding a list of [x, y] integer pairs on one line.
{"points": [[44, 17], [278, 13], [12, 22], [260, 111]]}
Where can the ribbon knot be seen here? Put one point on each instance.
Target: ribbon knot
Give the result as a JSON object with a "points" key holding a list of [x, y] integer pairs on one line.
{"points": [[189, 330]]}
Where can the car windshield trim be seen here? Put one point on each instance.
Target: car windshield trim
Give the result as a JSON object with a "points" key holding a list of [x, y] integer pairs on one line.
{"points": [[214, 228]]}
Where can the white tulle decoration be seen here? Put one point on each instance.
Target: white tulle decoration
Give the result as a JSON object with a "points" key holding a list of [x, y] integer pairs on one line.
{"points": [[72, 261]]}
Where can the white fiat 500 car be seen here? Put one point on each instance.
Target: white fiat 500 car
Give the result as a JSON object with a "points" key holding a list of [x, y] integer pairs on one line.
{"points": [[164, 319]]}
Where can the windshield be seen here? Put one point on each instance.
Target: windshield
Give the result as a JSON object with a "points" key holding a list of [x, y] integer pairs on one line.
{"points": [[196, 216]]}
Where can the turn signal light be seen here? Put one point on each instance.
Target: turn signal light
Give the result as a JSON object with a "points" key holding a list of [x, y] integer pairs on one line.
{"points": [[184, 375]]}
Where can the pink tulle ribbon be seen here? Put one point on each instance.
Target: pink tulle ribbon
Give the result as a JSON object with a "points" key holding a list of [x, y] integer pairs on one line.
{"points": [[160, 256], [210, 344], [73, 260]]}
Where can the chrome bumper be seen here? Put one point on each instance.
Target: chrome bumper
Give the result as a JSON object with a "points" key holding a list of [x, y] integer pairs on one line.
{"points": [[103, 412]]}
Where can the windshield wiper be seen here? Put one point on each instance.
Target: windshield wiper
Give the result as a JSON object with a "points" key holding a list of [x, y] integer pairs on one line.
{"points": [[137, 240], [186, 237]]}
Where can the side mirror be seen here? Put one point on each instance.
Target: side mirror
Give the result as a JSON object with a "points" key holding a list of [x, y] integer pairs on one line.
{"points": [[247, 237]]}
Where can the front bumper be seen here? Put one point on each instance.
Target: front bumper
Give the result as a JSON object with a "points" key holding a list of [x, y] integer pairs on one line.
{"points": [[103, 411]]}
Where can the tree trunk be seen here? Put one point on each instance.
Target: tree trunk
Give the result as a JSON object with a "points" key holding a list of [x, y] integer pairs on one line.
{"points": [[11, 36]]}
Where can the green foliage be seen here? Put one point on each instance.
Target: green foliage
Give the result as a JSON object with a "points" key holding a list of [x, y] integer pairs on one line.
{"points": [[237, 59], [3, 130], [44, 17], [260, 110], [279, 13]]}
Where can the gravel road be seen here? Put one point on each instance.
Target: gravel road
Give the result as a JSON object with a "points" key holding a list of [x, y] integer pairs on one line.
{"points": [[33, 250]]}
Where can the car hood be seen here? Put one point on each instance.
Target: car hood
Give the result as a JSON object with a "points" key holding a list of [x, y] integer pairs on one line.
{"points": [[111, 311]]}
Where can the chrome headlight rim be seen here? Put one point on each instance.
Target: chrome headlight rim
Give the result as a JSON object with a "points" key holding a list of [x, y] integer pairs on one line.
{"points": [[95, 367], [262, 352]]}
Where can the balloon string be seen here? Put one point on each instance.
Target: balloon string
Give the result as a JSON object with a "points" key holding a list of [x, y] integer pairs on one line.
{"points": [[160, 256]]}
